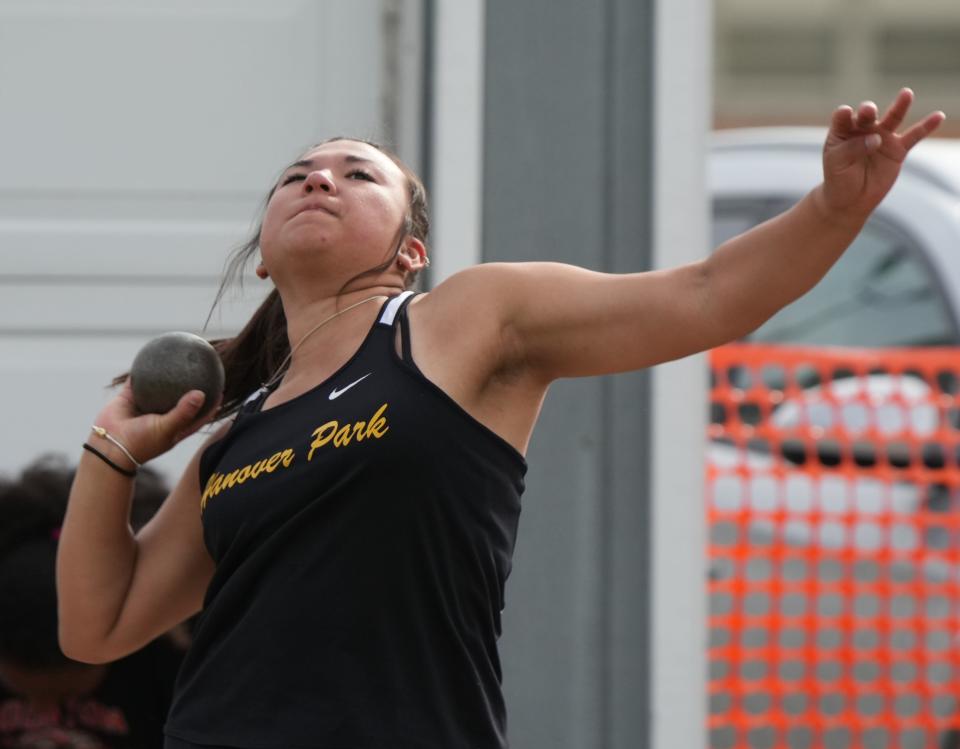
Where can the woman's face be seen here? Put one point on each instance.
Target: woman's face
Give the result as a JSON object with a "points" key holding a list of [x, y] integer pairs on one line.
{"points": [[337, 211]]}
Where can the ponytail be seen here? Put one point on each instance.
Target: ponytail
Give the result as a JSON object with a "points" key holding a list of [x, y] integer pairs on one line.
{"points": [[252, 356]]}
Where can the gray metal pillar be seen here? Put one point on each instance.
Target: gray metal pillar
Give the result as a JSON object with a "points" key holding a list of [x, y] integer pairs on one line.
{"points": [[567, 176]]}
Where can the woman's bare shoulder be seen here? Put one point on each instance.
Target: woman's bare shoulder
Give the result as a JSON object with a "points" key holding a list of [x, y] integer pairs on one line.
{"points": [[465, 317], [488, 285], [470, 294]]}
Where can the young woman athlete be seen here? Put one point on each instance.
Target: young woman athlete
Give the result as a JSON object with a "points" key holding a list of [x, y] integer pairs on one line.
{"points": [[348, 530]]}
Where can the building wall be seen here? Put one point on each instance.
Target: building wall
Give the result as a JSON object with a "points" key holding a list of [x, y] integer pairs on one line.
{"points": [[581, 165], [567, 169], [140, 138], [130, 171], [780, 62]]}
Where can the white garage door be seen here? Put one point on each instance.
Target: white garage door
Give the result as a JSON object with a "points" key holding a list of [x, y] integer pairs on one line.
{"points": [[138, 140]]}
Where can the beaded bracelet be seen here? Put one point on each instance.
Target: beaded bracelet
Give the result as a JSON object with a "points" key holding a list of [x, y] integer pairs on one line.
{"points": [[105, 459]]}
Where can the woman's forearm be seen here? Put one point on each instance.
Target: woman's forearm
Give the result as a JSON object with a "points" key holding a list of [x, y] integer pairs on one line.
{"points": [[117, 591], [97, 555], [753, 275]]}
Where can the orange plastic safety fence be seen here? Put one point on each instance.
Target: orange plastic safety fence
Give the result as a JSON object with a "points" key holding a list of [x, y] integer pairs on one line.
{"points": [[833, 490]]}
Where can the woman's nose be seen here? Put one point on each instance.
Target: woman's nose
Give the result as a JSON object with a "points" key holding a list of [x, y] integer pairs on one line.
{"points": [[320, 179]]}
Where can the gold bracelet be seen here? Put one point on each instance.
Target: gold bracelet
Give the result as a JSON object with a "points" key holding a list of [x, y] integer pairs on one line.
{"points": [[101, 432]]}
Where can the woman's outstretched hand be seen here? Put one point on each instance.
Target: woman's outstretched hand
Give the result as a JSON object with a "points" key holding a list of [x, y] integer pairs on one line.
{"points": [[863, 154]]}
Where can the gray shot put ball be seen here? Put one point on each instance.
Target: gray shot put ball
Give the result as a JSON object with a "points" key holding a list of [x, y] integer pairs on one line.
{"points": [[169, 366]]}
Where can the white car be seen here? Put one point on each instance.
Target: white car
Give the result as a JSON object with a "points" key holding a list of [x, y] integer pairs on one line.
{"points": [[898, 285], [845, 544]]}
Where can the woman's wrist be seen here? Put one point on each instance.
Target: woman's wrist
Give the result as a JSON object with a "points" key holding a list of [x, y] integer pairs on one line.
{"points": [[111, 450], [113, 440], [106, 460], [848, 219]]}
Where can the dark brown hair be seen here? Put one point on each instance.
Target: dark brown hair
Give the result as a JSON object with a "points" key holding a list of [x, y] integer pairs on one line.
{"points": [[252, 356], [32, 507]]}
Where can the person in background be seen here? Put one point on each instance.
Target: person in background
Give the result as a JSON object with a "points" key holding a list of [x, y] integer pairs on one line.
{"points": [[48, 701]]}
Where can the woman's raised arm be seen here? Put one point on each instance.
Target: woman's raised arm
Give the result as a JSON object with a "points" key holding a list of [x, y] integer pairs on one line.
{"points": [[117, 592], [561, 321]]}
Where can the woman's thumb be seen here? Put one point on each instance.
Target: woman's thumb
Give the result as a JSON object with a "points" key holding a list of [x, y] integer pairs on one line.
{"points": [[186, 410], [194, 399]]}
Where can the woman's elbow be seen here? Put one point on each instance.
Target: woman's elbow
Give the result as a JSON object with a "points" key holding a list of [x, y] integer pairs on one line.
{"points": [[81, 649]]}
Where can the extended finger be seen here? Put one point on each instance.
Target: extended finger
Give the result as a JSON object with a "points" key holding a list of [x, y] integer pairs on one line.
{"points": [[898, 110], [922, 129]]}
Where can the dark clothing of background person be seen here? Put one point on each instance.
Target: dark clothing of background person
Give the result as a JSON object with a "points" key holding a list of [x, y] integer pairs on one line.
{"points": [[126, 711], [48, 701]]}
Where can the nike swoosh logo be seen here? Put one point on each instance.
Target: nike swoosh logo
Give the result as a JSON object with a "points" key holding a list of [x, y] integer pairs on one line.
{"points": [[337, 393]]}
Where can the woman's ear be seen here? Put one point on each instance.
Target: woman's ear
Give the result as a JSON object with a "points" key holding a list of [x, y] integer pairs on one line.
{"points": [[412, 256], [262, 271]]}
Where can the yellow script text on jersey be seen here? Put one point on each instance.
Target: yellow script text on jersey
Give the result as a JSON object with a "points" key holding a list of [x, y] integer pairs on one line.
{"points": [[222, 481], [331, 432]]}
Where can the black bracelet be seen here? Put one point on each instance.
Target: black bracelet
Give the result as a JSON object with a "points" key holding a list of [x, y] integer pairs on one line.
{"points": [[105, 459]]}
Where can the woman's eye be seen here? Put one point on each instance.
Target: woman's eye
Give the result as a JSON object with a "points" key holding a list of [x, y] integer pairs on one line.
{"points": [[360, 174], [293, 178]]}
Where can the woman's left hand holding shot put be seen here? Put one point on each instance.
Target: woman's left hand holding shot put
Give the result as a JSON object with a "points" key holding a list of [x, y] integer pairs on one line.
{"points": [[117, 592]]}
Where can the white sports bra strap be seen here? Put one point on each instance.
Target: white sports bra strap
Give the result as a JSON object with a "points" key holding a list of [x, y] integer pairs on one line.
{"points": [[390, 311]]}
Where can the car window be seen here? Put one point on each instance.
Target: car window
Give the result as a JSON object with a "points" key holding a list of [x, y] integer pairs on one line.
{"points": [[880, 293], [733, 216]]}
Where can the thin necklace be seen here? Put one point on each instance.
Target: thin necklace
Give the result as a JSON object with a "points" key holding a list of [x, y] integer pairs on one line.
{"points": [[280, 370]]}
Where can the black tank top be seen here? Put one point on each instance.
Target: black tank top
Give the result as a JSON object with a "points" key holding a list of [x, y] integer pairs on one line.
{"points": [[362, 534]]}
